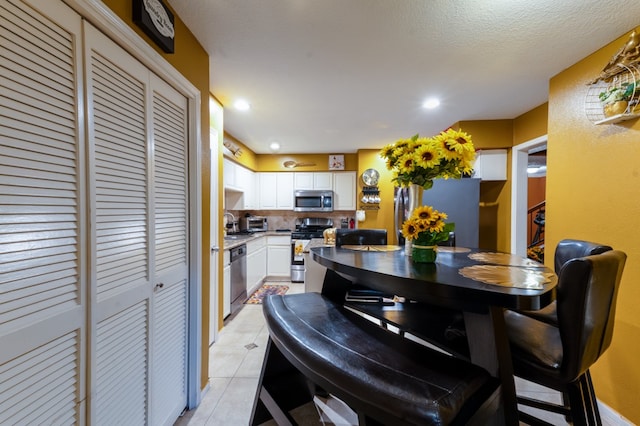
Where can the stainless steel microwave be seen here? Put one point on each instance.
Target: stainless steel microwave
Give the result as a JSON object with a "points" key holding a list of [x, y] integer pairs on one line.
{"points": [[313, 201]]}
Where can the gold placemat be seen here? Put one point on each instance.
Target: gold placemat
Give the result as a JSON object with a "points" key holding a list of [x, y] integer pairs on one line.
{"points": [[446, 249], [505, 259], [507, 276], [371, 247]]}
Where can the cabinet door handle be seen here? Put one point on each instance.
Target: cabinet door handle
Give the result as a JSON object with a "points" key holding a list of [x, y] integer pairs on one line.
{"points": [[158, 286]]}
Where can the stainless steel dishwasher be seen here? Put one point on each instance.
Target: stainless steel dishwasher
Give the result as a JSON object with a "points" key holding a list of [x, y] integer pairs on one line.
{"points": [[238, 276]]}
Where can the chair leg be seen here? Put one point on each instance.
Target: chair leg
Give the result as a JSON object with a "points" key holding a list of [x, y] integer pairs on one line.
{"points": [[577, 403], [589, 394]]}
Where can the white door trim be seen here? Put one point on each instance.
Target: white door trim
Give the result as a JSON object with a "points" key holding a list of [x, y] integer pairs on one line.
{"points": [[519, 160]]}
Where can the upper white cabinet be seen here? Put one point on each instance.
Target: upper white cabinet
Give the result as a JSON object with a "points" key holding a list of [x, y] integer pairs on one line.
{"points": [[344, 190], [276, 191], [229, 174], [247, 183], [240, 187], [313, 180], [491, 164]]}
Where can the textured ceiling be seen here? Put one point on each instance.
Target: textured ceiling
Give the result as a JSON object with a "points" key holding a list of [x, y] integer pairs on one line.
{"points": [[335, 76]]}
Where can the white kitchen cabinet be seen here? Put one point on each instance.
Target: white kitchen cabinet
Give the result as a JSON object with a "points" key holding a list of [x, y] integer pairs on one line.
{"points": [[344, 190], [226, 283], [246, 180], [229, 174], [313, 180], [276, 190], [239, 186], [491, 164], [279, 255], [256, 263]]}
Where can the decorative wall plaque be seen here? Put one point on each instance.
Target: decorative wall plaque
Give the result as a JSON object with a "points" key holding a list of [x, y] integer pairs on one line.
{"points": [[157, 21]]}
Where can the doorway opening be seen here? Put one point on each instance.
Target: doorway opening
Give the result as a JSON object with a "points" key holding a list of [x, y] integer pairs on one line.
{"points": [[528, 193]]}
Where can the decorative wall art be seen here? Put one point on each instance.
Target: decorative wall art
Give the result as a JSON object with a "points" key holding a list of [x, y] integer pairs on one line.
{"points": [[614, 95], [336, 162], [157, 21]]}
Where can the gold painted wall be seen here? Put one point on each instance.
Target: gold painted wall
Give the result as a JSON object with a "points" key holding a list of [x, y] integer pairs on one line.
{"points": [[273, 162], [592, 193], [247, 158], [531, 124], [192, 61], [382, 218]]}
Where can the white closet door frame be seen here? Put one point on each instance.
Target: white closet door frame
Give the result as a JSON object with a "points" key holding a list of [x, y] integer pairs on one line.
{"points": [[109, 23]]}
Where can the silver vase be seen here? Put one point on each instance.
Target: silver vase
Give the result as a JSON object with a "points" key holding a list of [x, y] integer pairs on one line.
{"points": [[415, 200]]}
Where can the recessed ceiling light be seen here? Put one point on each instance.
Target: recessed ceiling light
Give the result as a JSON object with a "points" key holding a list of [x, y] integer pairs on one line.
{"points": [[274, 146], [242, 105], [431, 103]]}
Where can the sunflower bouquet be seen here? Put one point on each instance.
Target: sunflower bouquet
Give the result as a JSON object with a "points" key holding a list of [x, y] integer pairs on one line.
{"points": [[420, 160], [426, 227]]}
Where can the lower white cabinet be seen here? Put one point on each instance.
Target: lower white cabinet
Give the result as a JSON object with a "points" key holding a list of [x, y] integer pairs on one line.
{"points": [[279, 256], [226, 283], [256, 263]]}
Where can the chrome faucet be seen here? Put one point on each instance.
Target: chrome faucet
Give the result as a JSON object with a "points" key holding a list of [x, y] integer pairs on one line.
{"points": [[233, 222]]}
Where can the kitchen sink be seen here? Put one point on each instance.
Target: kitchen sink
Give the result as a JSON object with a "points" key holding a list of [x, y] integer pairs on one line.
{"points": [[237, 237]]}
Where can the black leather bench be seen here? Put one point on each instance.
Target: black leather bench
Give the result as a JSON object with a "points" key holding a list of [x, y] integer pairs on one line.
{"points": [[383, 377]]}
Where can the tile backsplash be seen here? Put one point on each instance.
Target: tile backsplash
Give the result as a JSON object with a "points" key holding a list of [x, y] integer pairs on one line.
{"points": [[284, 219]]}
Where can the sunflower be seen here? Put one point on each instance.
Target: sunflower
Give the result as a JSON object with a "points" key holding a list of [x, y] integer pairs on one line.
{"points": [[425, 213], [427, 156], [448, 153], [458, 141], [406, 163], [426, 226], [419, 161], [410, 230]]}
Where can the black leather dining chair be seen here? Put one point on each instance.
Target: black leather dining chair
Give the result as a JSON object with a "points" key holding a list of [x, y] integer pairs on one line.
{"points": [[559, 355], [361, 237], [566, 250]]}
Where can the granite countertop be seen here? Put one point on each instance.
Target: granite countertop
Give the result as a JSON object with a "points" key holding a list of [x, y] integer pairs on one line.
{"points": [[234, 240]]}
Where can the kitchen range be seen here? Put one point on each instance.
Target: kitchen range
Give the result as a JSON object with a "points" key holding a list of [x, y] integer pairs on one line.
{"points": [[306, 229]]}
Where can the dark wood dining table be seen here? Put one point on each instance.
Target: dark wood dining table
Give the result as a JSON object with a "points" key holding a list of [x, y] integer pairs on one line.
{"points": [[479, 283]]}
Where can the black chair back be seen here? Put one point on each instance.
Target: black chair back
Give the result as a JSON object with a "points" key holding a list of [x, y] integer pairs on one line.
{"points": [[570, 249], [586, 306], [361, 237]]}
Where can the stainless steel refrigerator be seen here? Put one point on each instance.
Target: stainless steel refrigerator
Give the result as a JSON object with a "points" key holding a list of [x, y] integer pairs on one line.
{"points": [[458, 198]]}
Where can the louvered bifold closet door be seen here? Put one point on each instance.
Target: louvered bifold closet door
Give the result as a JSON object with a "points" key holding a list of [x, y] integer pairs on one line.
{"points": [[119, 144], [42, 230], [169, 307]]}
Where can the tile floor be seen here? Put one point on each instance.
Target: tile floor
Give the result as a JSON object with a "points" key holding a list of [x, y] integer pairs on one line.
{"points": [[235, 364]]}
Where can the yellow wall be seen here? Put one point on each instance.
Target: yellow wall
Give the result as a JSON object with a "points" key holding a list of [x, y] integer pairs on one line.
{"points": [[247, 157], [192, 61], [382, 218], [592, 193], [274, 162], [531, 124]]}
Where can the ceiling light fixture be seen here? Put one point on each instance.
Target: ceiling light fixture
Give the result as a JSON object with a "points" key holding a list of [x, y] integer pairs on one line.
{"points": [[242, 105], [431, 103], [274, 146]]}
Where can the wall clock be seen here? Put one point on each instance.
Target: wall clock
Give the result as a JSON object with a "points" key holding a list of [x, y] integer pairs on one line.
{"points": [[370, 177]]}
